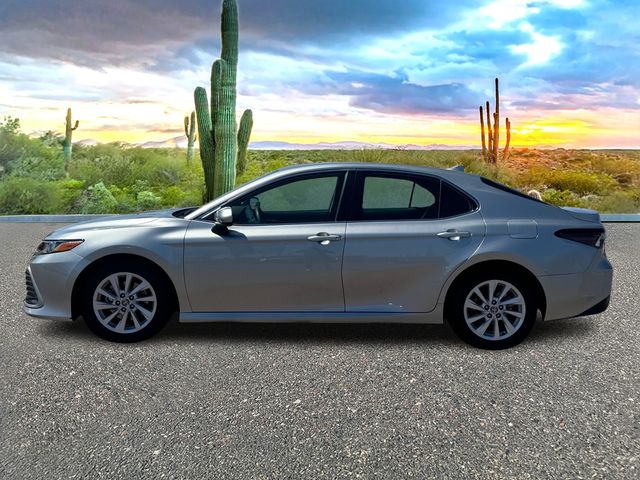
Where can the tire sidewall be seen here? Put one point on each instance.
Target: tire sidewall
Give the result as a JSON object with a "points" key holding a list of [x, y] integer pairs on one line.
{"points": [[151, 275], [455, 313]]}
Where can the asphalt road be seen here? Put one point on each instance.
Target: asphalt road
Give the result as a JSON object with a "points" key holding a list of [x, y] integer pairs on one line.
{"points": [[316, 401]]}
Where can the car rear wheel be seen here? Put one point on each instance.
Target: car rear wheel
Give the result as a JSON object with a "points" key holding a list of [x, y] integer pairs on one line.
{"points": [[126, 302], [493, 311]]}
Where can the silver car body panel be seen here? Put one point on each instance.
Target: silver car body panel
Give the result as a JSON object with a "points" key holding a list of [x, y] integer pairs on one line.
{"points": [[399, 266], [311, 317], [395, 271], [263, 268]]}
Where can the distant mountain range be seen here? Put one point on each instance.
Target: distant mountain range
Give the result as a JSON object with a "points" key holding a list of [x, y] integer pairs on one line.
{"points": [[181, 142], [351, 145]]}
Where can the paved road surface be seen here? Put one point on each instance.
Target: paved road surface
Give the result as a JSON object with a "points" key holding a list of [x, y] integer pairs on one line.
{"points": [[316, 401]]}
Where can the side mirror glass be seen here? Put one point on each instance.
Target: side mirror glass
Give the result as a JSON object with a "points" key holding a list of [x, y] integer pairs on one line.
{"points": [[224, 216]]}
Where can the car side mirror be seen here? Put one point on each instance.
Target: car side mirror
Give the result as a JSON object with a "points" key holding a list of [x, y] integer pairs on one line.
{"points": [[224, 216]]}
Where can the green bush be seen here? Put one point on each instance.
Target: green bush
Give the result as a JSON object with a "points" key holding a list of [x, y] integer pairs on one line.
{"points": [[70, 191], [562, 198], [49, 165], [148, 201], [579, 182], [619, 202], [98, 199], [23, 156], [20, 196], [103, 163]]}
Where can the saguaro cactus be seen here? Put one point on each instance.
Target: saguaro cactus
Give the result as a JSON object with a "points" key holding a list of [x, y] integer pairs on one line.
{"points": [[219, 136], [190, 132], [244, 132], [491, 146], [68, 145]]}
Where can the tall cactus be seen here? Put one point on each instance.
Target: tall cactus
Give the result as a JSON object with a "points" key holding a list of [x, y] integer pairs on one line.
{"points": [[190, 132], [221, 142], [244, 132], [68, 144], [491, 146]]}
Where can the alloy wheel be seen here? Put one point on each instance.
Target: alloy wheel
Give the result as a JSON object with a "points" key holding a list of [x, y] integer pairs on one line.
{"points": [[124, 302], [494, 310]]}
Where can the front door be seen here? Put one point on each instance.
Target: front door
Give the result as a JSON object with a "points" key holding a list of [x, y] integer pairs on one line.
{"points": [[402, 241], [282, 254]]}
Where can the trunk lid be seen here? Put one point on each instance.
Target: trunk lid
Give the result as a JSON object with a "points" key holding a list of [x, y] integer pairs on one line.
{"points": [[583, 214]]}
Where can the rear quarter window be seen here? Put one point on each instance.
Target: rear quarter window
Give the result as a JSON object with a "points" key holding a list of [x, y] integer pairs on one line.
{"points": [[454, 202]]}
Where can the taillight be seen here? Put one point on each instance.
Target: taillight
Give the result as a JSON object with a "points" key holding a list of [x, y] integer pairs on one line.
{"points": [[594, 237]]}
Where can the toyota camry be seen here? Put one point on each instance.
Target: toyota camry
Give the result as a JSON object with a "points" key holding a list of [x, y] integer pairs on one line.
{"points": [[332, 243]]}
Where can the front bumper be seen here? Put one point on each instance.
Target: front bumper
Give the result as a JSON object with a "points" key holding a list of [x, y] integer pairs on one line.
{"points": [[50, 279], [578, 294]]}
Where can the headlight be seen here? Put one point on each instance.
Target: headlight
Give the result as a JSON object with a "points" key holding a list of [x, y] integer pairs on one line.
{"points": [[54, 246]]}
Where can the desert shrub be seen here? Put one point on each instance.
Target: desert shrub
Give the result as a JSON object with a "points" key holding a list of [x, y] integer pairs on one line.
{"points": [[125, 199], [48, 165], [626, 171], [28, 196], [498, 172], [619, 202], [148, 201], [581, 183], [172, 196], [161, 171], [70, 191], [111, 170], [563, 198], [98, 168], [98, 199], [23, 156], [140, 186], [370, 155]]}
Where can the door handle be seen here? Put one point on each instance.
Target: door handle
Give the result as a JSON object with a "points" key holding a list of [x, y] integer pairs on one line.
{"points": [[324, 238], [454, 235]]}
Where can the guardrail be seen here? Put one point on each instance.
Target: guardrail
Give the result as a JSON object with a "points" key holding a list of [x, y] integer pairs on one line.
{"points": [[607, 218]]}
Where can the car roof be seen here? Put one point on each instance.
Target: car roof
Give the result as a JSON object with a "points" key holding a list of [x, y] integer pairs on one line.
{"points": [[387, 167]]}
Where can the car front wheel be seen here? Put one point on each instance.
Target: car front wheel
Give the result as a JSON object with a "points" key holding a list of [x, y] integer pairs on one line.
{"points": [[126, 303], [493, 311]]}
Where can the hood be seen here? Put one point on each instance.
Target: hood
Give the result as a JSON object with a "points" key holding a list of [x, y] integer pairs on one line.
{"points": [[112, 221], [583, 214]]}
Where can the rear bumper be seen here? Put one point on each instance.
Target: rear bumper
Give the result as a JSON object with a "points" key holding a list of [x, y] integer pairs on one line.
{"points": [[578, 294], [597, 308]]}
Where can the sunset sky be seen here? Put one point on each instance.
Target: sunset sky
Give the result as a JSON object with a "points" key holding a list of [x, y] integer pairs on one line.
{"points": [[399, 72]]}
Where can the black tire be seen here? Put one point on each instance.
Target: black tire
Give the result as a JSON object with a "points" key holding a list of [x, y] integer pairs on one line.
{"points": [[455, 311], [164, 302]]}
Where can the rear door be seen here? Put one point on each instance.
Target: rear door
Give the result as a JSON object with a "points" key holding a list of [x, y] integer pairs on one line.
{"points": [[405, 234]]}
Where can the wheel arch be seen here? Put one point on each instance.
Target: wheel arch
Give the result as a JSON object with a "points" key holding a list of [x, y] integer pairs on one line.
{"points": [[498, 266], [128, 257]]}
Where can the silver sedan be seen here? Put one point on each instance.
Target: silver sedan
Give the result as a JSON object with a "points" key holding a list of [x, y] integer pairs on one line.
{"points": [[332, 243]]}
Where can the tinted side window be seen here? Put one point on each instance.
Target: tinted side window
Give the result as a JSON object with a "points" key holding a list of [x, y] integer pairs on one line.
{"points": [[304, 200], [453, 202], [395, 197], [313, 194]]}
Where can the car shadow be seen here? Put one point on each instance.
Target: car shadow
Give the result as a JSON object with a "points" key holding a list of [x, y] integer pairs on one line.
{"points": [[336, 333], [566, 329]]}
